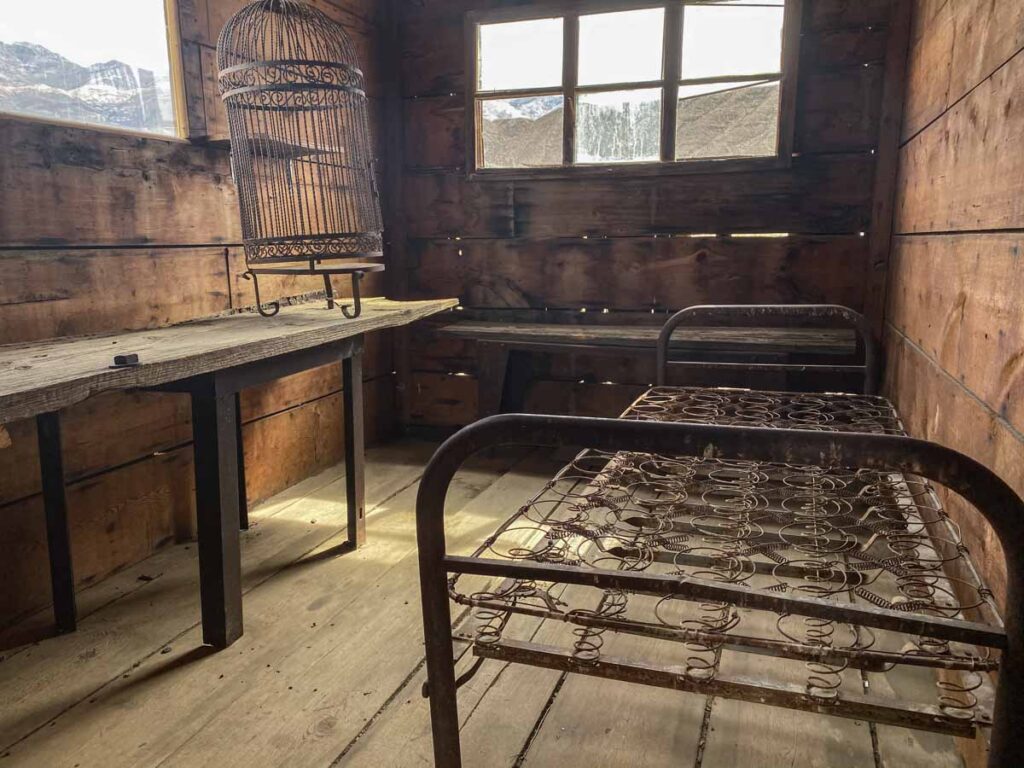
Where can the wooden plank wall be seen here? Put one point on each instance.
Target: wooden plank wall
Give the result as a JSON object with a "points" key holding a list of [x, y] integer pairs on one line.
{"points": [[103, 231], [635, 247], [955, 317]]}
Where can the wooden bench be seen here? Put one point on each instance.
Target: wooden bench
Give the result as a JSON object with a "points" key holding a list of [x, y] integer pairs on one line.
{"points": [[818, 342], [709, 528], [212, 360]]}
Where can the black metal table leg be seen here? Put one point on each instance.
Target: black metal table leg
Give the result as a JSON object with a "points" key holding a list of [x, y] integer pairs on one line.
{"points": [[215, 436], [352, 384], [492, 373], [243, 501], [58, 539]]}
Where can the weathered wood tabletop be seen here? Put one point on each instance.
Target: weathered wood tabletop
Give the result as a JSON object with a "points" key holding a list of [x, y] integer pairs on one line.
{"points": [[838, 341], [46, 376]]}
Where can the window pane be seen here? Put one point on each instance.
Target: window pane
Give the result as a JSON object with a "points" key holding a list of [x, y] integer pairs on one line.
{"points": [[731, 40], [522, 133], [619, 126], [622, 47], [727, 120], [69, 60], [521, 54]]}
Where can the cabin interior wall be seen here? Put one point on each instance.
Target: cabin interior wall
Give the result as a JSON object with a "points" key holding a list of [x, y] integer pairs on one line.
{"points": [[103, 232], [954, 326], [626, 250]]}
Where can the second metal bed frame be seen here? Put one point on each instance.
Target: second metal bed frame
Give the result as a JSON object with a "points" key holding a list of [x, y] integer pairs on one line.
{"points": [[785, 315]]}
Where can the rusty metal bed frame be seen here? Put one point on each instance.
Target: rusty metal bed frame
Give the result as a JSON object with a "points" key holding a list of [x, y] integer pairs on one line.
{"points": [[711, 521], [759, 315]]}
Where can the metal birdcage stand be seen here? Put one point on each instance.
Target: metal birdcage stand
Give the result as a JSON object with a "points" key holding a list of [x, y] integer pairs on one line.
{"points": [[301, 152]]}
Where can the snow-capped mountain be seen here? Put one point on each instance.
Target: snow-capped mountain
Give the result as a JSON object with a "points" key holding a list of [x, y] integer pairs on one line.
{"points": [[528, 107], [729, 123], [37, 81]]}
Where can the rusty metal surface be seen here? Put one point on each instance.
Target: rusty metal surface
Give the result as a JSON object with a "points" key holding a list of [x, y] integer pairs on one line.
{"points": [[301, 149], [757, 316], [839, 567]]}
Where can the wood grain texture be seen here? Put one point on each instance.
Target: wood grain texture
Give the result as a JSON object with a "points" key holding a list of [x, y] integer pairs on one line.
{"points": [[294, 617], [964, 171], [291, 391], [954, 316], [520, 244], [838, 110], [442, 399], [638, 273], [64, 372], [116, 232], [887, 163], [194, 90], [956, 46], [959, 298], [837, 14], [287, 447], [763, 340], [44, 294], [80, 187], [116, 518], [129, 496], [114, 429], [934, 406], [824, 194], [202, 20], [162, 597], [107, 431]]}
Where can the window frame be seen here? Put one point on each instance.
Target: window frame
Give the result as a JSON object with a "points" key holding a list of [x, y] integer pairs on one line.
{"points": [[179, 99], [669, 84]]}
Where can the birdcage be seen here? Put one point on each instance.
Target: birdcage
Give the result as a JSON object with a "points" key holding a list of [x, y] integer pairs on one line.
{"points": [[301, 152]]}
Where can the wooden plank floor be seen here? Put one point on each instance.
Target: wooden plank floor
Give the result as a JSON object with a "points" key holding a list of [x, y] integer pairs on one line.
{"points": [[330, 668]]}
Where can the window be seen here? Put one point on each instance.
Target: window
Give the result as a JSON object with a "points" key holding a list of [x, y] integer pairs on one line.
{"points": [[677, 84], [105, 64]]}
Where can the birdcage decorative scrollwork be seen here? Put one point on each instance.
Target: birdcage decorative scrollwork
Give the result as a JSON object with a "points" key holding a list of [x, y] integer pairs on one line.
{"points": [[301, 151]]}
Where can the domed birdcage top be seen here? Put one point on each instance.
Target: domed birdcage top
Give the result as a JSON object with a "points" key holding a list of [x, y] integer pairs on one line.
{"points": [[272, 31], [301, 150]]}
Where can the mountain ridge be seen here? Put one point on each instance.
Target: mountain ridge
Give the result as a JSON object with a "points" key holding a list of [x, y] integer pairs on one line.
{"points": [[37, 81]]}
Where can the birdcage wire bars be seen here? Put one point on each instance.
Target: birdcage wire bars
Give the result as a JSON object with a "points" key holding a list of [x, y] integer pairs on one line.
{"points": [[301, 151]]}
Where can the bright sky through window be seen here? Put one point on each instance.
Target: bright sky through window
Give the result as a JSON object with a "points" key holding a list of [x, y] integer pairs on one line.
{"points": [[100, 63], [635, 37], [731, 41], [132, 31], [503, 65]]}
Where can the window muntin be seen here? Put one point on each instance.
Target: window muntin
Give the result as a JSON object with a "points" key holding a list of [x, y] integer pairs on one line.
{"points": [[64, 61], [687, 81]]}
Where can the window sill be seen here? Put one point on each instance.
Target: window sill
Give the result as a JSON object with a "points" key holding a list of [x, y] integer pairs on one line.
{"points": [[109, 130], [633, 170]]}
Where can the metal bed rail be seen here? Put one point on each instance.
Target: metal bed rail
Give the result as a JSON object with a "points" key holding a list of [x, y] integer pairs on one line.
{"points": [[784, 315], [995, 500]]}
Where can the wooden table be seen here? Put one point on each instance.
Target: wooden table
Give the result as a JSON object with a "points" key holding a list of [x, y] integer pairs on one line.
{"points": [[212, 360], [503, 385]]}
